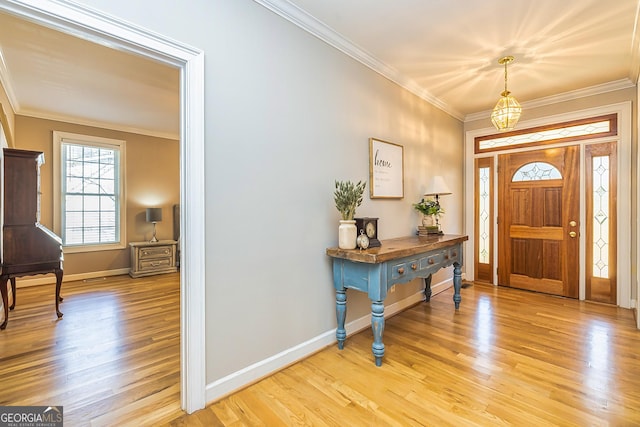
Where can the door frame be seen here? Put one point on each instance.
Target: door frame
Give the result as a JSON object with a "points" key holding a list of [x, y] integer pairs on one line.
{"points": [[89, 24], [624, 238]]}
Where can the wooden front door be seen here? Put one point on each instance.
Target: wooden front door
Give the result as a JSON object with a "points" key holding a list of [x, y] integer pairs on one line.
{"points": [[538, 220]]}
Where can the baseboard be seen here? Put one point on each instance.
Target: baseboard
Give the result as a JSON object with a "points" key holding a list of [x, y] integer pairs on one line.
{"points": [[51, 278], [254, 373]]}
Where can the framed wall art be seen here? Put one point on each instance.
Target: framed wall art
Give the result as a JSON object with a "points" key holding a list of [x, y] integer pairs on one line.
{"points": [[386, 170]]}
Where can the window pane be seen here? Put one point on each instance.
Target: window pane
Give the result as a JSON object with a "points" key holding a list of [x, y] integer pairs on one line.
{"points": [[74, 219], [75, 152], [91, 186], [592, 128], [108, 234], [107, 171], [601, 216], [74, 169], [73, 203], [107, 203], [73, 236], [92, 235], [536, 171], [92, 203], [107, 218], [107, 186], [107, 157], [92, 219], [484, 210], [90, 193], [74, 185]]}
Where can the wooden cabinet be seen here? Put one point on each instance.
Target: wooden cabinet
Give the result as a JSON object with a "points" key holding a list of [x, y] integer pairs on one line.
{"points": [[28, 247], [149, 258]]}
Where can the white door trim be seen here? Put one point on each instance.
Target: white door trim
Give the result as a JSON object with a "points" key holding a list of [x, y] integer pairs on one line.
{"points": [[624, 273], [91, 25]]}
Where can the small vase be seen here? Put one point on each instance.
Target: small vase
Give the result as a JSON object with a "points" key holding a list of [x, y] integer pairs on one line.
{"points": [[347, 234], [428, 220]]}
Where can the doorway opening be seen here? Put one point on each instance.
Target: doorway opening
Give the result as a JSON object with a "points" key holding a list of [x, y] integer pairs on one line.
{"points": [[104, 29]]}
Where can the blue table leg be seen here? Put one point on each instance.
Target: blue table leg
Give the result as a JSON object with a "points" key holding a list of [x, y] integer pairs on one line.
{"points": [[427, 288], [377, 324], [457, 283], [341, 315]]}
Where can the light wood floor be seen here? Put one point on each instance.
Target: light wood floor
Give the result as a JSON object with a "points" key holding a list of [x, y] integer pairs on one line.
{"points": [[507, 357], [113, 359]]}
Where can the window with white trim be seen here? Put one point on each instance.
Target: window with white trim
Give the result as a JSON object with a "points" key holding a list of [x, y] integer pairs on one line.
{"points": [[88, 182]]}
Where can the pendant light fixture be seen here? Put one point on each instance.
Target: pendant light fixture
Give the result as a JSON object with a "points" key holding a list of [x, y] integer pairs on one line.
{"points": [[507, 111]]}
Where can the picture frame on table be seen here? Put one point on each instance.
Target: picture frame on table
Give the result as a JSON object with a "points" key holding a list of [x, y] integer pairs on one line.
{"points": [[386, 169]]}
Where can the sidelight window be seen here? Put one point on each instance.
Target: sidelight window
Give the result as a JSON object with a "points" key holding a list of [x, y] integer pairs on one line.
{"points": [[601, 216]]}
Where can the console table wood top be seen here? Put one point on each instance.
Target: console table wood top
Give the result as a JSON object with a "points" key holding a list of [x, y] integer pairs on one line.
{"points": [[398, 248]]}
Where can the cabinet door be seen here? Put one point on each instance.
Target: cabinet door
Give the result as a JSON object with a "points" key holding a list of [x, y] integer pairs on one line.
{"points": [[21, 198]]}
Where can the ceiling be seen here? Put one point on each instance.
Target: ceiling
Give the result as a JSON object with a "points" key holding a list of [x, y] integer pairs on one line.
{"points": [[445, 51], [53, 75]]}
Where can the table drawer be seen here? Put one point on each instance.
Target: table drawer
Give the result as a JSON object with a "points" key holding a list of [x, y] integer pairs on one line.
{"points": [[404, 269], [431, 260], [156, 252], [452, 255], [153, 264]]}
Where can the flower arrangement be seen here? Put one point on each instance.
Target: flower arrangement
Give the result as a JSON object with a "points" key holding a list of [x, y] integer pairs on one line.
{"points": [[429, 207], [348, 196]]}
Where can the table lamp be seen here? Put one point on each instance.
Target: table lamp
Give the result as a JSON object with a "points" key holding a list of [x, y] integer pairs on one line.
{"points": [[154, 215], [437, 187]]}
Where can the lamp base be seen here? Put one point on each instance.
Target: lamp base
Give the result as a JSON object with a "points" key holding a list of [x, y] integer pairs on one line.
{"points": [[154, 239]]}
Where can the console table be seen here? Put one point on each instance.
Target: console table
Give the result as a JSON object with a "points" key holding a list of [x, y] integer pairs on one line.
{"points": [[376, 270]]}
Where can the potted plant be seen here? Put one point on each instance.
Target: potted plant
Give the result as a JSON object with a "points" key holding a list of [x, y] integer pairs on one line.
{"points": [[431, 210], [348, 196]]}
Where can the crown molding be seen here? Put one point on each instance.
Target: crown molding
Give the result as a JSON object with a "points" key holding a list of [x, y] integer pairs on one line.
{"points": [[562, 97], [327, 34]]}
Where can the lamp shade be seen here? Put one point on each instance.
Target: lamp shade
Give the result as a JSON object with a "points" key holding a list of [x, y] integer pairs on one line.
{"points": [[437, 187], [154, 214]]}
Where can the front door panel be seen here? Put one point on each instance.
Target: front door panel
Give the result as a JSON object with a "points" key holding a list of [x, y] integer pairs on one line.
{"points": [[538, 220]]}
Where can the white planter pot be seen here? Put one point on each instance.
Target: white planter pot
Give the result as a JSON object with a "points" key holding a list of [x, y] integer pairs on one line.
{"points": [[347, 234]]}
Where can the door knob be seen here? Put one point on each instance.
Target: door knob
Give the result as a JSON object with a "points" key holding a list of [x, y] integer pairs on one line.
{"points": [[572, 234], [573, 223]]}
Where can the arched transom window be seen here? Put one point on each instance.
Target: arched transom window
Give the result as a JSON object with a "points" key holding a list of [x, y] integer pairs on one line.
{"points": [[536, 171]]}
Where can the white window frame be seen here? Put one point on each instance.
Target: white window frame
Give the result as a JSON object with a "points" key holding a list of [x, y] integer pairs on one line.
{"points": [[58, 139]]}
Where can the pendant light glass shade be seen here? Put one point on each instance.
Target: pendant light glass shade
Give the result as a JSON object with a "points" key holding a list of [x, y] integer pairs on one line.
{"points": [[507, 111]]}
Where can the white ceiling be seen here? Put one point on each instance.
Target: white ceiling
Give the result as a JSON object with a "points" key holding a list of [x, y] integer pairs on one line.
{"points": [[54, 75], [445, 51]]}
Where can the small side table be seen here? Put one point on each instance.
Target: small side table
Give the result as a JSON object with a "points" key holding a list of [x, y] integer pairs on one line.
{"points": [[149, 258]]}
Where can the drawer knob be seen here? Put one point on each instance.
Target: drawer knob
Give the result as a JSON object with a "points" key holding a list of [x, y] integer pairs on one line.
{"points": [[455, 253], [414, 266], [401, 270], [430, 260]]}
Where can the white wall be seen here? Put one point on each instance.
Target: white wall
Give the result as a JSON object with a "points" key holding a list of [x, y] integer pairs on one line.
{"points": [[286, 115]]}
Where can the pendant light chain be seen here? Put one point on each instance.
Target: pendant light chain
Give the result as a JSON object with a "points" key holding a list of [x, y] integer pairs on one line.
{"points": [[507, 111]]}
